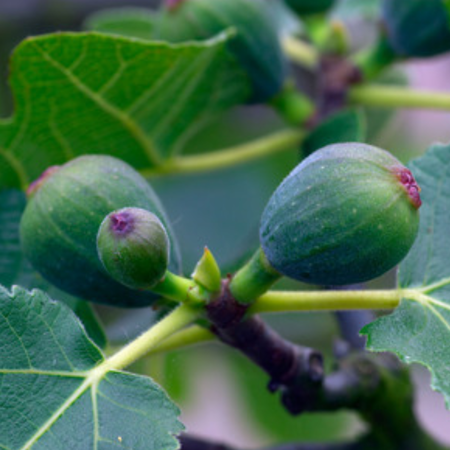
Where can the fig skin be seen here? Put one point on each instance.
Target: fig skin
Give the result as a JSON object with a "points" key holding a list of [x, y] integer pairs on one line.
{"points": [[417, 28], [133, 246], [346, 214], [307, 7], [59, 226], [256, 45]]}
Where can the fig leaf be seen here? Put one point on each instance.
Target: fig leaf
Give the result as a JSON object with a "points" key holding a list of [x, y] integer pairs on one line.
{"points": [[48, 397], [139, 101]]}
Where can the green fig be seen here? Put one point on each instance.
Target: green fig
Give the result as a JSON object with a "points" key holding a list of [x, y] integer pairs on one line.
{"points": [[346, 214], [306, 7], [133, 246], [256, 45], [59, 226], [417, 28]]}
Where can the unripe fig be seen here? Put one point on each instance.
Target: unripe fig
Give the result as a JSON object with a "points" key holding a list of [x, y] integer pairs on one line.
{"points": [[417, 28], [256, 45], [59, 226], [346, 214], [133, 246], [306, 7]]}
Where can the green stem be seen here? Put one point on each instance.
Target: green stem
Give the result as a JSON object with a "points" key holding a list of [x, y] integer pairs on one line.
{"points": [[300, 52], [195, 334], [283, 301], [179, 289], [398, 97], [255, 278], [277, 142], [172, 323]]}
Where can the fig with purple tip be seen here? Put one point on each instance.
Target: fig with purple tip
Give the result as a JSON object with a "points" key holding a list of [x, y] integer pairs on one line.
{"points": [[133, 246], [347, 214]]}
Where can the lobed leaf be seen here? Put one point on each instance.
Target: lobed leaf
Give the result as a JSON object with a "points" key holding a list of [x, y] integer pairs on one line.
{"points": [[95, 93], [50, 398], [419, 329]]}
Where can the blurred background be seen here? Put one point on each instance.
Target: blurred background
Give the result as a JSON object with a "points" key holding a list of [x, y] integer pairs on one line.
{"points": [[222, 396]]}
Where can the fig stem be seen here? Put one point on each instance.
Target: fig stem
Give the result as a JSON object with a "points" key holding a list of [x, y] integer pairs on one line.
{"points": [[398, 97], [284, 301], [300, 52], [175, 321], [277, 142], [195, 334], [180, 289], [253, 279]]}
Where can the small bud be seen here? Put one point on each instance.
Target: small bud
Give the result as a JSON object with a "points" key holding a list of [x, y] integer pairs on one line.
{"points": [[133, 246], [207, 272]]}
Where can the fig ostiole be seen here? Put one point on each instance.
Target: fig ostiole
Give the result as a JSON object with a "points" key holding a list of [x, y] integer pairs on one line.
{"points": [[133, 246], [256, 45], [347, 214], [59, 226]]}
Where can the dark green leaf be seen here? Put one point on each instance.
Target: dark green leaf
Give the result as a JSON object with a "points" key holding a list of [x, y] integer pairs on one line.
{"points": [[97, 93], [130, 22], [419, 329], [50, 397], [345, 126], [14, 269]]}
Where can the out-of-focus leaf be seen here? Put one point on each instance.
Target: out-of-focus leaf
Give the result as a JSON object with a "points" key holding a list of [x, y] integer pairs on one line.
{"points": [[130, 22], [96, 93], [419, 329], [345, 126], [54, 394]]}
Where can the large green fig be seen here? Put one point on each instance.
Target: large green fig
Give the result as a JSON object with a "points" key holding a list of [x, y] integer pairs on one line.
{"points": [[417, 28], [306, 7], [133, 246], [256, 45], [346, 214], [60, 223]]}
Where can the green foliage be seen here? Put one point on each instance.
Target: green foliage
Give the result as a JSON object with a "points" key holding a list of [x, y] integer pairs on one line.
{"points": [[342, 216], [255, 46], [64, 214], [418, 330], [115, 91], [48, 370], [126, 92], [345, 126]]}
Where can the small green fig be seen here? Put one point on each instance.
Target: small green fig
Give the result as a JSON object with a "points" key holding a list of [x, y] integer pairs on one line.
{"points": [[256, 45], [346, 214], [59, 226], [417, 28], [133, 246], [306, 7]]}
